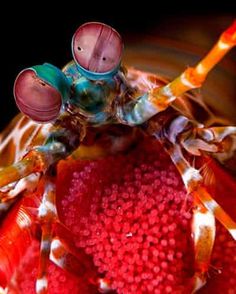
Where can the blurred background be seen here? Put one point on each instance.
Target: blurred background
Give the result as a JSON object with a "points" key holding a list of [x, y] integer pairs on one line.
{"points": [[162, 37]]}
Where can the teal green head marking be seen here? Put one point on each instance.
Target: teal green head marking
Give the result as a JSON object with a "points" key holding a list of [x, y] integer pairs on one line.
{"points": [[89, 96]]}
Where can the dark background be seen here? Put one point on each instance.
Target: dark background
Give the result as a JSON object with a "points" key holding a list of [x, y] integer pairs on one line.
{"points": [[35, 33]]}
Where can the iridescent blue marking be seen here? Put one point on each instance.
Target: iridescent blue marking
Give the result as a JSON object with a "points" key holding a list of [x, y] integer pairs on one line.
{"points": [[71, 72], [92, 96], [54, 77], [89, 95], [95, 75]]}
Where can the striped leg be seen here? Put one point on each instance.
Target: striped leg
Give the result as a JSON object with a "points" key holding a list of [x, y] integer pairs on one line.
{"points": [[207, 208], [42, 283], [37, 160], [77, 263], [47, 215], [193, 182], [71, 259]]}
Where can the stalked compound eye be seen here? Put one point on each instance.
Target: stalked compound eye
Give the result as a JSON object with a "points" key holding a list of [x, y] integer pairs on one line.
{"points": [[97, 48], [36, 98]]}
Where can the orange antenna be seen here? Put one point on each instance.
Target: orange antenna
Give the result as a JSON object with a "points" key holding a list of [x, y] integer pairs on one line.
{"points": [[193, 77]]}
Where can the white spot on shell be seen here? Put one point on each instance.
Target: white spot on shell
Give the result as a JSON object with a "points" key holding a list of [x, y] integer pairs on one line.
{"points": [[104, 286], [47, 206], [190, 174], [3, 291], [41, 284], [186, 82], [203, 221], [56, 244], [200, 69], [222, 45], [58, 261], [199, 283], [233, 233]]}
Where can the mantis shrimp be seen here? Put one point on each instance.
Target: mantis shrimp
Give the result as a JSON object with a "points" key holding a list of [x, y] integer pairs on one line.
{"points": [[60, 109]]}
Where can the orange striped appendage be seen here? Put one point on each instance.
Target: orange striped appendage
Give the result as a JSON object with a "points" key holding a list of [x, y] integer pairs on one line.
{"points": [[193, 77], [216, 209]]}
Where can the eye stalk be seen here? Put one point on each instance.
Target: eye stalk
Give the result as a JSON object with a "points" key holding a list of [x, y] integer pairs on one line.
{"points": [[97, 50]]}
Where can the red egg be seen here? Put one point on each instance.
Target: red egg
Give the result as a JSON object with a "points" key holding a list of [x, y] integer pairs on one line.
{"points": [[97, 47], [36, 98]]}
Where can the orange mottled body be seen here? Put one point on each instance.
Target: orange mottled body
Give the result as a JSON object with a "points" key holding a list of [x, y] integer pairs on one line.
{"points": [[20, 135]]}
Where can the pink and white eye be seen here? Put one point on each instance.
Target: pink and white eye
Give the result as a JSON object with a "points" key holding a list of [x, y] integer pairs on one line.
{"points": [[97, 47], [35, 98]]}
